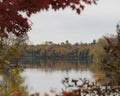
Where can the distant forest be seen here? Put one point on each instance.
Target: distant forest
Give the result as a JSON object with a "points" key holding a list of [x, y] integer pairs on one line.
{"points": [[50, 51]]}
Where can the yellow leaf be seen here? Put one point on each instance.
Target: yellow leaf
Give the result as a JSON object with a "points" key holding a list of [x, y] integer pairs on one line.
{"points": [[7, 62]]}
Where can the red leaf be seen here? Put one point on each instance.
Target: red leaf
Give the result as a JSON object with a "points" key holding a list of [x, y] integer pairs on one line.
{"points": [[89, 2], [3, 34], [73, 7], [78, 10], [82, 7]]}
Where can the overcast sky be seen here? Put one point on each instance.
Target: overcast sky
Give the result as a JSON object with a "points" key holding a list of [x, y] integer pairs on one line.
{"points": [[94, 22]]}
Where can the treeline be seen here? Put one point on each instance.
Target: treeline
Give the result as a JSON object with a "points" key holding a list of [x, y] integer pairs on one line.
{"points": [[63, 51]]}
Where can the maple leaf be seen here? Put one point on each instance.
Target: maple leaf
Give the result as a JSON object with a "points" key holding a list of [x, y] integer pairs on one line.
{"points": [[78, 10], [73, 7], [82, 7]]}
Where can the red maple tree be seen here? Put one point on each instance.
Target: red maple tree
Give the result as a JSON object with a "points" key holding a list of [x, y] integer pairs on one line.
{"points": [[11, 19]]}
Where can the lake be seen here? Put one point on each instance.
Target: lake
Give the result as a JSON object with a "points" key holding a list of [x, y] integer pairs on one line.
{"points": [[48, 76]]}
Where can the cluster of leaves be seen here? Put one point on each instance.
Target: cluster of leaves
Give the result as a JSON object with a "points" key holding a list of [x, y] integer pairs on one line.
{"points": [[11, 48], [10, 83], [11, 19], [10, 79], [98, 52], [83, 87], [107, 57], [111, 62]]}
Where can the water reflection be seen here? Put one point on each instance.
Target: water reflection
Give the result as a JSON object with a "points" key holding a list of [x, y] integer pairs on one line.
{"points": [[57, 64], [48, 75]]}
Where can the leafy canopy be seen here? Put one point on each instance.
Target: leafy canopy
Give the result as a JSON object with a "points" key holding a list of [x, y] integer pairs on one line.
{"points": [[11, 19]]}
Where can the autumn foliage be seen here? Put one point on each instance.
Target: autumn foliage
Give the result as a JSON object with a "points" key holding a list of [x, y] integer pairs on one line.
{"points": [[11, 19], [17, 93]]}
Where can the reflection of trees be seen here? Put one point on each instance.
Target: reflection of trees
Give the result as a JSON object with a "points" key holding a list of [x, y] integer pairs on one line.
{"points": [[58, 65], [10, 82]]}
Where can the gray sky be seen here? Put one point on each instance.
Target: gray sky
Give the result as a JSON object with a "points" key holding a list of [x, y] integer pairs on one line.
{"points": [[94, 22]]}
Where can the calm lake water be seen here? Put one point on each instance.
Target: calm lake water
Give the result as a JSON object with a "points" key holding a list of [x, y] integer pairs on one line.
{"points": [[45, 77]]}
